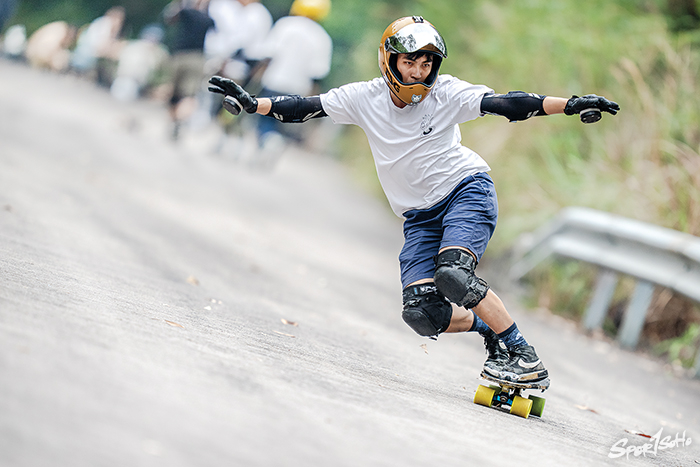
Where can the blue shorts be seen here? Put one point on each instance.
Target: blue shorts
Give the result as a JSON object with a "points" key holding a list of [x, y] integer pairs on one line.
{"points": [[466, 218]]}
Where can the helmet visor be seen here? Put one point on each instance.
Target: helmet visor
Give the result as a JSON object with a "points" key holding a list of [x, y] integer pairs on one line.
{"points": [[415, 37]]}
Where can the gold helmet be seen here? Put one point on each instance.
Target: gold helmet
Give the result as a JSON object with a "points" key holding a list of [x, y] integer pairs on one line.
{"points": [[408, 35], [317, 10]]}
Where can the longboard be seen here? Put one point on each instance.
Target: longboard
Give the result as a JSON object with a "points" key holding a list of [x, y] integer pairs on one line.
{"points": [[509, 394]]}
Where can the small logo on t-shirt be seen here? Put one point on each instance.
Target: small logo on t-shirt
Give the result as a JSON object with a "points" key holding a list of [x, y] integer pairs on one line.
{"points": [[425, 124]]}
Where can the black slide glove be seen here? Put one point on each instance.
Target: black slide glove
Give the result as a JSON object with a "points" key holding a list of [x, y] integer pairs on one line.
{"points": [[590, 106], [235, 96]]}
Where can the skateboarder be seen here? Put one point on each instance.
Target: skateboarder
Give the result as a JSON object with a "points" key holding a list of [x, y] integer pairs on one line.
{"points": [[440, 188]]}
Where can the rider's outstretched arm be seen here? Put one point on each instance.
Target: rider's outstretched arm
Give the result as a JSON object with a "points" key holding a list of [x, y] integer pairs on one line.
{"points": [[519, 105], [294, 109]]}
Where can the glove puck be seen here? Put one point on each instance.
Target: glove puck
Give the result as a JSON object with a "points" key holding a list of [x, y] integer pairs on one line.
{"points": [[590, 115], [232, 105]]}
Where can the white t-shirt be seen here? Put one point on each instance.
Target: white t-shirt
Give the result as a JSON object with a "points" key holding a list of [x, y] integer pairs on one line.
{"points": [[300, 51], [218, 42], [417, 149], [239, 28]]}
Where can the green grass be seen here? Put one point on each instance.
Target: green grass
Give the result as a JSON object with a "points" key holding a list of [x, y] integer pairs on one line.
{"points": [[681, 350]]}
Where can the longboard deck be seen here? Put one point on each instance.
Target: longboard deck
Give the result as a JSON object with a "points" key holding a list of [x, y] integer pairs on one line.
{"points": [[542, 384]]}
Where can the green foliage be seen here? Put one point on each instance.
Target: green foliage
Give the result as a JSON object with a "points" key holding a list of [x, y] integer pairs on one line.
{"points": [[563, 287], [35, 13], [681, 350]]}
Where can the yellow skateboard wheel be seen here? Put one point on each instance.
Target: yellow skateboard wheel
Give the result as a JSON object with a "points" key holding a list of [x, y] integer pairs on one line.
{"points": [[521, 406], [484, 395]]}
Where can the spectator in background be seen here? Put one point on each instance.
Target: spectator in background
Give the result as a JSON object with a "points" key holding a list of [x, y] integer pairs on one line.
{"points": [[241, 28], [300, 52], [191, 22], [98, 45], [139, 62], [48, 47], [221, 43], [15, 42]]}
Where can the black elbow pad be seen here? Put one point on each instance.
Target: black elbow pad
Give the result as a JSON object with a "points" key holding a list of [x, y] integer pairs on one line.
{"points": [[296, 109], [515, 106]]}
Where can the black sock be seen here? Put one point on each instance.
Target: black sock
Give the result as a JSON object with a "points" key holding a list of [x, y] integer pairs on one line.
{"points": [[512, 337]]}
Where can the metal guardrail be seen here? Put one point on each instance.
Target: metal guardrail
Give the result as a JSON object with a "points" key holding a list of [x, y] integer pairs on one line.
{"points": [[654, 255]]}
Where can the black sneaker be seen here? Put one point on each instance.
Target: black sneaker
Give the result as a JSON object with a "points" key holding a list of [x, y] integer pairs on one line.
{"points": [[524, 366], [497, 354]]}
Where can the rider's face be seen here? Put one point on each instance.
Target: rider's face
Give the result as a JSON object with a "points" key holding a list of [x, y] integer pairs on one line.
{"points": [[414, 71]]}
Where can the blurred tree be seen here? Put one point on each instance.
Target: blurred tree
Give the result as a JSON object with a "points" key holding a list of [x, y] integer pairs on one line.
{"points": [[139, 13], [278, 8], [7, 9], [35, 13], [683, 14]]}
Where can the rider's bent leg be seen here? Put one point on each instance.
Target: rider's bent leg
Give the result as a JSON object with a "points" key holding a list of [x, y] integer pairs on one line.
{"points": [[426, 310], [455, 278]]}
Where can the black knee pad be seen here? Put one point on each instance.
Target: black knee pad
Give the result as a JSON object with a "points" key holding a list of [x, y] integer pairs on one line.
{"points": [[455, 278], [426, 310]]}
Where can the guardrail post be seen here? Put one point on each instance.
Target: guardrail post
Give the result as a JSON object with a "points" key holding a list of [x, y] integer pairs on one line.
{"points": [[635, 315], [600, 302]]}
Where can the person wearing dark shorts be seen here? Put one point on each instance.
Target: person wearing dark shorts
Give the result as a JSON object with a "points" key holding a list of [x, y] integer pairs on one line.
{"points": [[190, 21], [441, 189]]}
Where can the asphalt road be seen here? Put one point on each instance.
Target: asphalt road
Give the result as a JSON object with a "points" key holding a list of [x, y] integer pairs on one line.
{"points": [[160, 305]]}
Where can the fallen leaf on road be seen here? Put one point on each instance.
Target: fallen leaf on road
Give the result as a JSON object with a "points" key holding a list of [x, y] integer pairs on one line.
{"points": [[283, 334], [192, 280], [638, 433], [424, 347], [172, 323], [291, 323], [585, 407]]}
